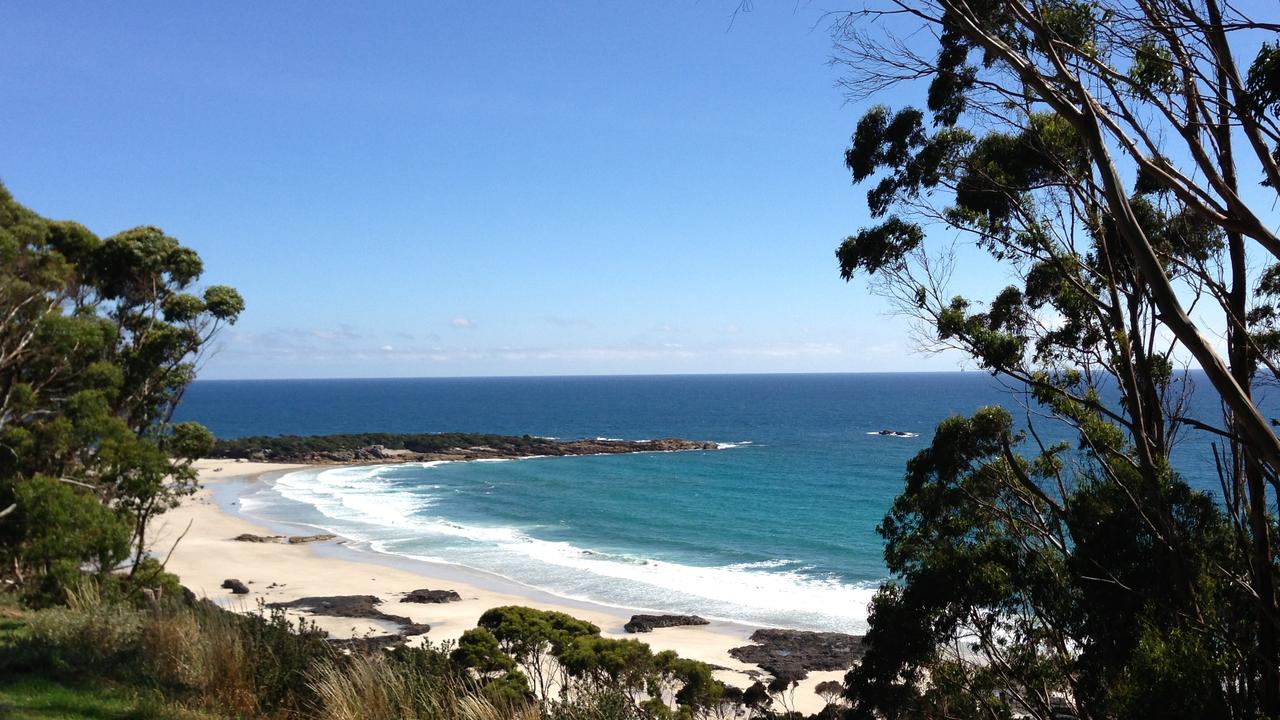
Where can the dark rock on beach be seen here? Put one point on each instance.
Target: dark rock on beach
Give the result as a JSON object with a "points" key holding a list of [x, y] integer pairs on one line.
{"points": [[235, 586], [791, 654], [353, 606], [303, 539], [365, 644], [432, 596], [250, 537], [291, 539], [648, 623]]}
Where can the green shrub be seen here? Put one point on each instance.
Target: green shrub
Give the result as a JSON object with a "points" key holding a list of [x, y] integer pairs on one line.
{"points": [[74, 640]]}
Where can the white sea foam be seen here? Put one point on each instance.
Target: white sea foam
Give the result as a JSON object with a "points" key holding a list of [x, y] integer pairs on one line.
{"points": [[353, 494], [732, 587], [368, 507], [762, 565]]}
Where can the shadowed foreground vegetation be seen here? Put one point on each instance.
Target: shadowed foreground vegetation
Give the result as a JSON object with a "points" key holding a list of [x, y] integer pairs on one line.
{"points": [[104, 657]]}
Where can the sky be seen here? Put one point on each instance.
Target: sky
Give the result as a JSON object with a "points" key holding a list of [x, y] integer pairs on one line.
{"points": [[456, 188]]}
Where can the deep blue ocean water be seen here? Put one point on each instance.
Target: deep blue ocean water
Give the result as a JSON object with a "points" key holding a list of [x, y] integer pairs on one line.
{"points": [[777, 528]]}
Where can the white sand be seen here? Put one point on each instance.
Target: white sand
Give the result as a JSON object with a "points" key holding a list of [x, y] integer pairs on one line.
{"points": [[208, 554]]}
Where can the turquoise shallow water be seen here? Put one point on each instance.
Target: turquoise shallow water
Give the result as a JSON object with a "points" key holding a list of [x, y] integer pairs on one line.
{"points": [[777, 528]]}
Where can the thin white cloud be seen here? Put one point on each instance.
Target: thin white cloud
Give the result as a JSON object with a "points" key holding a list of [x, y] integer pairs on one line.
{"points": [[462, 323]]}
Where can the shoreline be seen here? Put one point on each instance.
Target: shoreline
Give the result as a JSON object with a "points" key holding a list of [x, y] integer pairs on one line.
{"points": [[348, 549], [276, 572]]}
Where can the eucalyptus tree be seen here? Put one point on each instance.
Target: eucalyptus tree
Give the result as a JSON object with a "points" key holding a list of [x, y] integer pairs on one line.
{"points": [[1119, 164], [100, 337]]}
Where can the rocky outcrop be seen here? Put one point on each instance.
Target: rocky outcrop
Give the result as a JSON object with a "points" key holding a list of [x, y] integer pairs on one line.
{"points": [[647, 623], [291, 539], [235, 586], [250, 537], [366, 644], [427, 448], [431, 596], [791, 654], [304, 539], [353, 606]]}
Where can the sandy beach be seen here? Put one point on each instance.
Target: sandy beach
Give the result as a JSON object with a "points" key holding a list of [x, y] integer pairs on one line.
{"points": [[277, 572]]}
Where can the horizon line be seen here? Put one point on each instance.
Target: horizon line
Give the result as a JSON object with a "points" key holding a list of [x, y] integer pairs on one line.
{"points": [[962, 371]]}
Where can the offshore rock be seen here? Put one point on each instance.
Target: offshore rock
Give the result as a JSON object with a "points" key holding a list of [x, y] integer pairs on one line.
{"points": [[791, 654], [647, 623]]}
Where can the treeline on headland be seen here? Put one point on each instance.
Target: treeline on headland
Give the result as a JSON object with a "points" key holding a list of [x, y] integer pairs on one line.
{"points": [[418, 447]]}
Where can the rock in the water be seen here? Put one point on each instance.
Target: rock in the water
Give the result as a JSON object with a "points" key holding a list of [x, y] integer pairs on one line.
{"points": [[647, 623], [303, 539], [235, 586], [432, 596], [791, 654], [250, 537]]}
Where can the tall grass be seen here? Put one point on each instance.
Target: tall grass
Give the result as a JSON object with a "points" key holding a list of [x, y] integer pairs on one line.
{"points": [[373, 687], [86, 633], [202, 657]]}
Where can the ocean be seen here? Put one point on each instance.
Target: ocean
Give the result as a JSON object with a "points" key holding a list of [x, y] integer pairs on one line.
{"points": [[776, 528]]}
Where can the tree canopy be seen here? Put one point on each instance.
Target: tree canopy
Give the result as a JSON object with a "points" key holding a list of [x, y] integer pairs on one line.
{"points": [[1116, 162], [100, 337]]}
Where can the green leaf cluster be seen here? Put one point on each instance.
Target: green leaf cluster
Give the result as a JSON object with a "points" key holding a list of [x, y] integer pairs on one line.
{"points": [[520, 652], [100, 338]]}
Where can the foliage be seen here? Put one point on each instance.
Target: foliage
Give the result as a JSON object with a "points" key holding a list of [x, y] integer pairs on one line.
{"points": [[204, 659], [1086, 577], [532, 637], [385, 686], [99, 339], [578, 673], [196, 653], [298, 446], [39, 698]]}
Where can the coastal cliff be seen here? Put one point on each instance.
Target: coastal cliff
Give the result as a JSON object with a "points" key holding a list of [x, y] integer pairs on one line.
{"points": [[427, 447]]}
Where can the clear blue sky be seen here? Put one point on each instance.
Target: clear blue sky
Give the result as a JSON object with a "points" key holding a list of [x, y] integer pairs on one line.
{"points": [[438, 189]]}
